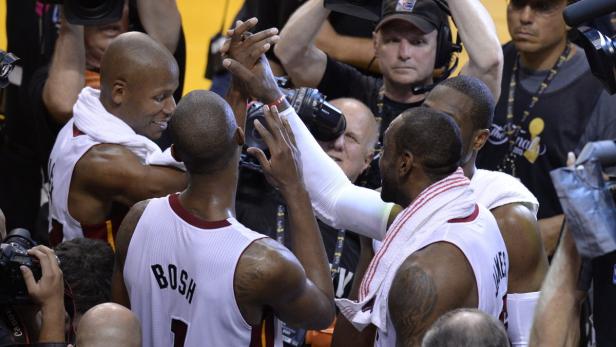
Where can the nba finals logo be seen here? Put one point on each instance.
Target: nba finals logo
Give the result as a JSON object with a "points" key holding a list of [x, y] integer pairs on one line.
{"points": [[405, 5]]}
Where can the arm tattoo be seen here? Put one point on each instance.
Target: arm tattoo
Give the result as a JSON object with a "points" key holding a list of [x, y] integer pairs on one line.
{"points": [[412, 299]]}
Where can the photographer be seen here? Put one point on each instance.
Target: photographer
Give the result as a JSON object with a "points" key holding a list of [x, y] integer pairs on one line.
{"points": [[548, 96], [406, 45], [48, 294]]}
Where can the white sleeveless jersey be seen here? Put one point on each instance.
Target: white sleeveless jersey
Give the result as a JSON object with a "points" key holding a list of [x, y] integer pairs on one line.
{"points": [[479, 238], [69, 147], [179, 273]]}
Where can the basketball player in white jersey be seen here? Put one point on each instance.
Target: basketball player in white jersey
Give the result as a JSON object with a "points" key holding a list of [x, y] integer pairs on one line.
{"points": [[512, 204], [193, 274]]}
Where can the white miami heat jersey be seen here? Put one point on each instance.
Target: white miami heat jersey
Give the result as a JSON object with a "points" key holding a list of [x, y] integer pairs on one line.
{"points": [[179, 273], [71, 144]]}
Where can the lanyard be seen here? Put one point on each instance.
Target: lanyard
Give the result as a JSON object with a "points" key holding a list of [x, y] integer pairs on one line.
{"points": [[280, 217], [512, 130]]}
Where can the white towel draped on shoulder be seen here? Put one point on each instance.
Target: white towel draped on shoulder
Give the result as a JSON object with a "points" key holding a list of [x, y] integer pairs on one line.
{"points": [[444, 200], [92, 119]]}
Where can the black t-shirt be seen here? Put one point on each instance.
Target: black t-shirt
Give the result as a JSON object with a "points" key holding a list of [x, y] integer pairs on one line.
{"points": [[343, 81], [257, 208], [554, 126]]}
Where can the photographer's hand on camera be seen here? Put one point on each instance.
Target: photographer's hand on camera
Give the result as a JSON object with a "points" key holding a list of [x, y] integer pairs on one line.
{"points": [[48, 292]]}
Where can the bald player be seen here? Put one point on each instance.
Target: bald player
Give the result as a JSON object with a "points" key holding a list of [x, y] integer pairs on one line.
{"points": [[94, 181], [192, 273], [109, 325]]}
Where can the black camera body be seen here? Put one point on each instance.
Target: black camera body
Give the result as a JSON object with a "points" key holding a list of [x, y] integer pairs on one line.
{"points": [[91, 12], [13, 254], [325, 122]]}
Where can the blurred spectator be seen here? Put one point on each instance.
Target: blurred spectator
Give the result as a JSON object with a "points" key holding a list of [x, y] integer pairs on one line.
{"points": [[87, 266], [466, 327], [548, 96], [109, 325]]}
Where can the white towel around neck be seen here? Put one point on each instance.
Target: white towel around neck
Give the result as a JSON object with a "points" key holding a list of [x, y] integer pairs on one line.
{"points": [[91, 118], [444, 200]]}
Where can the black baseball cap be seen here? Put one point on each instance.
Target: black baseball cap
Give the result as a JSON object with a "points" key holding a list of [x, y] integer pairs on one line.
{"points": [[426, 15]]}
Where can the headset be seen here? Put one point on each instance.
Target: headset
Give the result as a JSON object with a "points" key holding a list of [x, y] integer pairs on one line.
{"points": [[446, 52]]}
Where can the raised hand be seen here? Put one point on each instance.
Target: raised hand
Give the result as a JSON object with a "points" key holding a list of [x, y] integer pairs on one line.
{"points": [[282, 169], [245, 47]]}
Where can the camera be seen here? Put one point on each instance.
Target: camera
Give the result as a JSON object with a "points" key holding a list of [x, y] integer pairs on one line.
{"points": [[600, 49], [325, 122], [7, 63], [91, 12], [13, 254]]}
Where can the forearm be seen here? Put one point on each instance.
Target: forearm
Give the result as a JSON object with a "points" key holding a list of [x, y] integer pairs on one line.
{"points": [[478, 33], [550, 229], [237, 101], [300, 31], [304, 63], [161, 20], [306, 241], [66, 73], [356, 51], [52, 328], [336, 200], [556, 320]]}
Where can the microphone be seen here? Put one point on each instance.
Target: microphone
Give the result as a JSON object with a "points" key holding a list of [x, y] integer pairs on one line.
{"points": [[418, 90], [585, 10]]}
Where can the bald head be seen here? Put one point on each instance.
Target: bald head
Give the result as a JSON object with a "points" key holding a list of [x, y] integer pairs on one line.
{"points": [[110, 325], [204, 132], [357, 113], [466, 328], [138, 78], [353, 150], [132, 57]]}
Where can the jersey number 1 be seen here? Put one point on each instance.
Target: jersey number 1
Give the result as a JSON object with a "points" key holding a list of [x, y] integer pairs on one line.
{"points": [[179, 330]]}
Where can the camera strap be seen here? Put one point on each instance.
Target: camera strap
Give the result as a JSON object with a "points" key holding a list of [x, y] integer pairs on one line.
{"points": [[512, 130], [19, 332]]}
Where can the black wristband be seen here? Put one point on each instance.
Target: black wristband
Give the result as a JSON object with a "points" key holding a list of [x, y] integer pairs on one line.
{"points": [[49, 344]]}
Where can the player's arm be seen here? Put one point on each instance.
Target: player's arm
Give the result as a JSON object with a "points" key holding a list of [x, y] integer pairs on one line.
{"points": [[309, 299], [301, 59], [429, 283], [478, 34], [119, 293], [527, 260], [335, 199], [112, 171], [528, 266], [161, 20]]}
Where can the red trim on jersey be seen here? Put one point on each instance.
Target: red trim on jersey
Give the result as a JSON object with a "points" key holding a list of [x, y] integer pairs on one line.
{"points": [[76, 131], [264, 333], [468, 218], [176, 206]]}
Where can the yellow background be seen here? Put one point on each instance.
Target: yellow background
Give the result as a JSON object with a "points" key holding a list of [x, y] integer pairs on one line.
{"points": [[202, 18]]}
